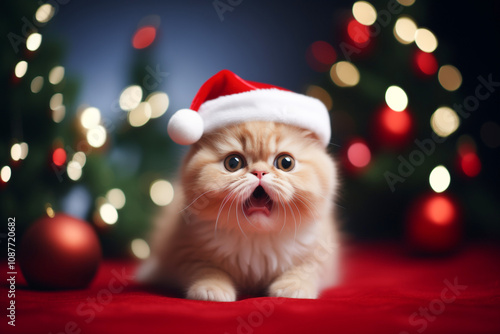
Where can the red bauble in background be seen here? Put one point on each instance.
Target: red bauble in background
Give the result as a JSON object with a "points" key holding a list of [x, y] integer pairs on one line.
{"points": [[434, 224], [62, 252], [392, 129]]}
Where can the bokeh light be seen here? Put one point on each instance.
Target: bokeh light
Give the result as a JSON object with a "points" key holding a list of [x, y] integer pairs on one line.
{"points": [[15, 152], [364, 12], [36, 84], [33, 41], [140, 115], [58, 114], [439, 179], [56, 75], [426, 63], [449, 77], [440, 210], [140, 248], [90, 117], [80, 158], [359, 154], [470, 164], [320, 56], [5, 173], [59, 156], [116, 198], [24, 150], [144, 37], [406, 3], [396, 98], [96, 137], [74, 170], [358, 32], [21, 69], [444, 121], [395, 123], [158, 101], [161, 192], [56, 101], [44, 13], [404, 30], [130, 97], [344, 74], [321, 94], [108, 214], [425, 40]]}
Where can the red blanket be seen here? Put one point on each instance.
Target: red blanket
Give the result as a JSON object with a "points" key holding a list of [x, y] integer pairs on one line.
{"points": [[383, 291]]}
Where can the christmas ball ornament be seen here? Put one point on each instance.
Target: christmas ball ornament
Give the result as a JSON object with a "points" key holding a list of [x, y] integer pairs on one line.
{"points": [[62, 252], [185, 127], [434, 224]]}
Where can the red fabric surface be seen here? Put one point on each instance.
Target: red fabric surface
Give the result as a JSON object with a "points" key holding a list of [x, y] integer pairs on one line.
{"points": [[383, 291]]}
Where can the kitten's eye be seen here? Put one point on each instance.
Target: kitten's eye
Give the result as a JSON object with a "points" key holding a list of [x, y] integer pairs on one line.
{"points": [[234, 162], [285, 162]]}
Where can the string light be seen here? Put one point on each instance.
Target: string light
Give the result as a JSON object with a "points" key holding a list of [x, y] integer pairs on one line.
{"points": [[90, 117], [439, 179], [33, 41], [321, 94], [5, 173], [74, 170], [364, 13], [15, 152], [140, 115], [425, 40], [444, 121], [359, 154], [108, 214], [344, 74], [161, 192], [96, 137], [130, 97], [144, 37], [404, 30], [449, 77], [44, 13], [36, 84], [56, 75], [59, 156], [21, 69], [396, 98], [116, 198], [140, 248], [158, 101]]}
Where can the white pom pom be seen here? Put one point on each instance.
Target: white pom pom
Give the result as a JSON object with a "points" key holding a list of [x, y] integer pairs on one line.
{"points": [[185, 127]]}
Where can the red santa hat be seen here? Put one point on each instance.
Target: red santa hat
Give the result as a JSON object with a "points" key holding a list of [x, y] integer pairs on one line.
{"points": [[226, 99]]}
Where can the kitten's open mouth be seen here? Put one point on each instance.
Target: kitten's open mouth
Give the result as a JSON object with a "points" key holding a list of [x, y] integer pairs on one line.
{"points": [[259, 201]]}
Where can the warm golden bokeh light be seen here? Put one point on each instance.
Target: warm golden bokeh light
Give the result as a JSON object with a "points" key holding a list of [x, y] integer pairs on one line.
{"points": [[425, 40], [74, 170], [21, 69], [58, 114], [130, 97], [108, 214], [444, 121], [158, 101], [344, 74], [56, 101], [161, 192], [116, 198], [96, 137], [56, 75], [5, 174], [44, 13], [90, 117], [364, 13], [36, 84], [439, 179], [140, 115], [396, 98], [321, 94], [449, 77], [406, 3], [140, 248], [404, 30], [33, 41]]}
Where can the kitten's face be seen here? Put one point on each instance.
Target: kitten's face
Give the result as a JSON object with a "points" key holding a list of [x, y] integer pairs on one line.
{"points": [[258, 176]]}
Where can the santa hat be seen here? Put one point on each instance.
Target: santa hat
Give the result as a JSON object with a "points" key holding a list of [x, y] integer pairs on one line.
{"points": [[226, 99]]}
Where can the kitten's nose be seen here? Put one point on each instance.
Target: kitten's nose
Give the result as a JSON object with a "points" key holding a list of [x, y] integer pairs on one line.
{"points": [[259, 174]]}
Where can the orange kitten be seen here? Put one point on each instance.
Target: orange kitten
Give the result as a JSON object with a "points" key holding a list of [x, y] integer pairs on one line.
{"points": [[252, 213]]}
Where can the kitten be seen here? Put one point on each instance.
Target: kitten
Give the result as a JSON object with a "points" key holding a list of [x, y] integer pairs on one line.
{"points": [[252, 213]]}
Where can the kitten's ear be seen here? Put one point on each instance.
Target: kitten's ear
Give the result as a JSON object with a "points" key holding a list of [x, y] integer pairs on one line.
{"points": [[311, 135]]}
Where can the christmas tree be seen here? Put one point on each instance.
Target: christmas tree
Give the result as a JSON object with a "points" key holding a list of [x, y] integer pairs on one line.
{"points": [[396, 113]]}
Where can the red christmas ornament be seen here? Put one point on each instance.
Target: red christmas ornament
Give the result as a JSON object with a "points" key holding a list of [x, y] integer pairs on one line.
{"points": [[391, 128], [434, 224], [59, 253]]}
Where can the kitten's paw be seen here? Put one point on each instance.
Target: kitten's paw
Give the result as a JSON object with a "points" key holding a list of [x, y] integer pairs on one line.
{"points": [[212, 290], [293, 288]]}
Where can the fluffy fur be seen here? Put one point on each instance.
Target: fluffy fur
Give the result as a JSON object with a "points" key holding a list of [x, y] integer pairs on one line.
{"points": [[208, 244]]}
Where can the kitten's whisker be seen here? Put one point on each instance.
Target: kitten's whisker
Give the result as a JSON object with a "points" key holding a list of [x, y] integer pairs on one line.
{"points": [[305, 204], [284, 212], [197, 198]]}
